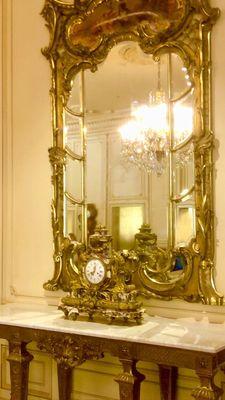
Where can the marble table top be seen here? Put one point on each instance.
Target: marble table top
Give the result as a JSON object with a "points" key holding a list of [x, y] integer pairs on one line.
{"points": [[181, 333]]}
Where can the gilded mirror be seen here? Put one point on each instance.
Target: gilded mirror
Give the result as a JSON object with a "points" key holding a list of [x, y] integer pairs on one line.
{"points": [[132, 141]]}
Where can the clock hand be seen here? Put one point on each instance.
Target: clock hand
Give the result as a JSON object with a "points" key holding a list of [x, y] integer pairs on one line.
{"points": [[93, 272]]}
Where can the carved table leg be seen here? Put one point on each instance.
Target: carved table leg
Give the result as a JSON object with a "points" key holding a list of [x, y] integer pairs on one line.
{"points": [[129, 380], [168, 382], [65, 381], [207, 389], [19, 360]]}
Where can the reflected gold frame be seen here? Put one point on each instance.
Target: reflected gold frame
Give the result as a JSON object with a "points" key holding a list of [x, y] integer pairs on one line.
{"points": [[81, 39]]}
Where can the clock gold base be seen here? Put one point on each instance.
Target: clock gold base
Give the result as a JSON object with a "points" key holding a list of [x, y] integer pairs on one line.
{"points": [[119, 312]]}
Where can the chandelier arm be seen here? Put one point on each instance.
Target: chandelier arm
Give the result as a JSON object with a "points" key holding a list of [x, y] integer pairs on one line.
{"points": [[183, 95], [73, 113], [178, 199], [72, 199], [73, 155], [182, 145]]}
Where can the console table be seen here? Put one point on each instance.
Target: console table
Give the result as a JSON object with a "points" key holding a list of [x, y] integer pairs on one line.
{"points": [[170, 343]]}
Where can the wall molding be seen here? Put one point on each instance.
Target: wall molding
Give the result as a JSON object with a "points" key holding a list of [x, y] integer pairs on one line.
{"points": [[7, 138], [1, 136]]}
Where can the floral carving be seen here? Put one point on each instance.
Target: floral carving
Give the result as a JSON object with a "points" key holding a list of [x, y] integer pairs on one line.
{"points": [[69, 352]]}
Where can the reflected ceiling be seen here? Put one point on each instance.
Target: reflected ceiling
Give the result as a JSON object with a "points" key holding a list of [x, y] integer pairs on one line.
{"points": [[116, 86]]}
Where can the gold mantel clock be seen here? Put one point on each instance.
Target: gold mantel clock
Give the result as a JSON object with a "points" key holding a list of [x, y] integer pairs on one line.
{"points": [[132, 151], [101, 286]]}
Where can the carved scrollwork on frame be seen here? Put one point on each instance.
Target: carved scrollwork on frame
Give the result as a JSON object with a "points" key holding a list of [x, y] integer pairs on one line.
{"points": [[81, 37], [67, 351]]}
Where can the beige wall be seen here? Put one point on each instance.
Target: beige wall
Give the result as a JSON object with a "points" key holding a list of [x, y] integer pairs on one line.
{"points": [[1, 126], [27, 237], [27, 137]]}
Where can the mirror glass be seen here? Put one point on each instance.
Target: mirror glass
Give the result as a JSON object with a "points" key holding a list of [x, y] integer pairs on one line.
{"points": [[128, 135]]}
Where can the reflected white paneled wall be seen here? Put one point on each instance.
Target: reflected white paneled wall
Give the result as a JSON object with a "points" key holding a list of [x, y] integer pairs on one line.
{"points": [[114, 186], [126, 182], [158, 207], [96, 178], [96, 174]]}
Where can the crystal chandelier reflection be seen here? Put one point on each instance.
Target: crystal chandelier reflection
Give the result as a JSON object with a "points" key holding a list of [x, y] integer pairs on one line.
{"points": [[146, 137]]}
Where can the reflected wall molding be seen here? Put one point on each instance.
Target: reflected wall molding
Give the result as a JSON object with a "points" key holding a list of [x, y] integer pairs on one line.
{"points": [[7, 88], [106, 124]]}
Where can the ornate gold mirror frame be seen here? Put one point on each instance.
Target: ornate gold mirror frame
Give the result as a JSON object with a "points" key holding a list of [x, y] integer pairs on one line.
{"points": [[81, 36]]}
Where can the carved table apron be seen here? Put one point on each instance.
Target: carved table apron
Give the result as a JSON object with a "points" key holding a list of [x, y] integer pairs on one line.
{"points": [[169, 343]]}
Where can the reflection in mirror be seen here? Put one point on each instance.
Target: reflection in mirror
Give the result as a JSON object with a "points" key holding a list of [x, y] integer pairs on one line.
{"points": [[179, 264], [185, 223], [73, 179], [183, 119], [73, 221], [74, 104], [73, 140], [126, 221], [137, 132]]}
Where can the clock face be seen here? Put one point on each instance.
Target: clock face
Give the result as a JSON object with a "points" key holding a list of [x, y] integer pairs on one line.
{"points": [[95, 271]]}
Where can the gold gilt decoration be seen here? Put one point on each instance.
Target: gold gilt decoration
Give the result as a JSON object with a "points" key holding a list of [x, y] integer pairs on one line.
{"points": [[69, 352], [129, 380], [155, 266], [71, 349], [81, 36], [114, 296]]}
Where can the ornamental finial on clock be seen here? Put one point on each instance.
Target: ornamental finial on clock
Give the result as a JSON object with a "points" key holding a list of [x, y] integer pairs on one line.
{"points": [[100, 242]]}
